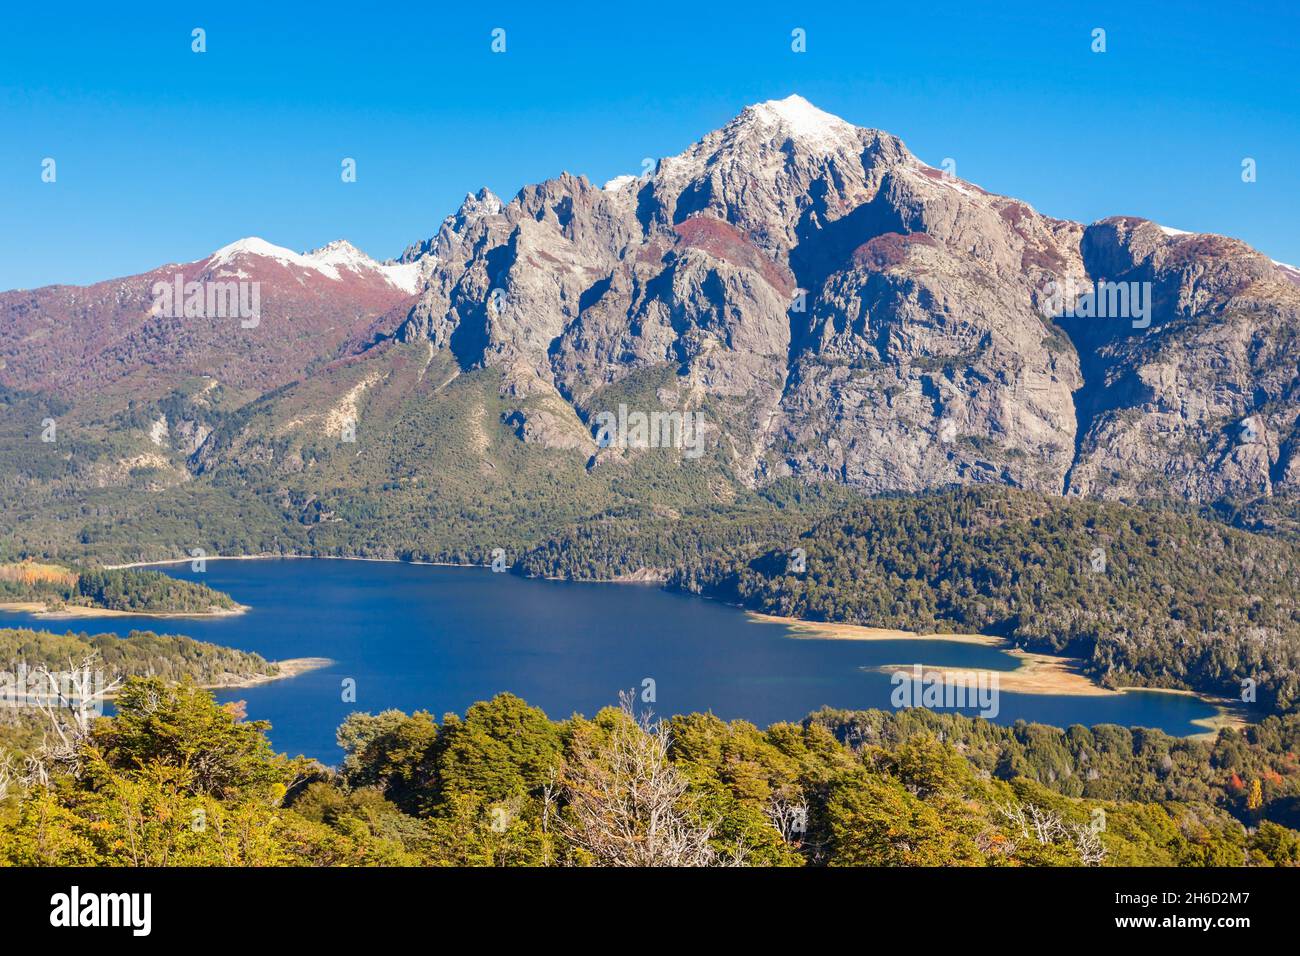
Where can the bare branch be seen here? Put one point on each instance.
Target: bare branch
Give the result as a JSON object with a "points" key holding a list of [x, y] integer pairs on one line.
{"points": [[627, 805]]}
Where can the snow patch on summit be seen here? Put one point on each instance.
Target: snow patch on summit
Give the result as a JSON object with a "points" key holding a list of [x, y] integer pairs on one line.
{"points": [[403, 275], [256, 246], [327, 260], [618, 182], [1291, 273], [804, 122]]}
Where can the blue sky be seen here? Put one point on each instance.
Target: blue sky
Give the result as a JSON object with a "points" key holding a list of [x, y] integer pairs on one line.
{"points": [[164, 155]]}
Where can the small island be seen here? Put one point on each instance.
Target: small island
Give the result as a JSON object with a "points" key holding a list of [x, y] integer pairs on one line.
{"points": [[55, 591]]}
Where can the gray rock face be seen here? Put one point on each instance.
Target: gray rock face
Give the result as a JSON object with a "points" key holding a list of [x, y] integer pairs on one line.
{"points": [[848, 313], [1204, 403]]}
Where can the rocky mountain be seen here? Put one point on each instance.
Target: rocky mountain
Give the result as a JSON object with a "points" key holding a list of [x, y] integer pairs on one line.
{"points": [[1203, 404], [834, 310], [872, 320], [132, 337]]}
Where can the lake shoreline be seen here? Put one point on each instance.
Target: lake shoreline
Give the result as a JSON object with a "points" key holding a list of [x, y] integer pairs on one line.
{"points": [[287, 557], [41, 609], [643, 577], [839, 631], [1035, 673], [290, 668]]}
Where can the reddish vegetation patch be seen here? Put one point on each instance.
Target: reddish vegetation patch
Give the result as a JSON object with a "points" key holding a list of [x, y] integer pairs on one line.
{"points": [[1017, 215], [1186, 249], [724, 241], [103, 337], [1013, 213], [939, 175], [383, 325], [652, 253], [888, 249], [1043, 258]]}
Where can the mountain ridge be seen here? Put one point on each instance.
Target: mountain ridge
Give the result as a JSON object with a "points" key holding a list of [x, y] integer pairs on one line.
{"points": [[835, 310]]}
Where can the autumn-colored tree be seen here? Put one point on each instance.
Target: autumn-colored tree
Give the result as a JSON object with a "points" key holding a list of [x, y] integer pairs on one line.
{"points": [[174, 779], [182, 726]]}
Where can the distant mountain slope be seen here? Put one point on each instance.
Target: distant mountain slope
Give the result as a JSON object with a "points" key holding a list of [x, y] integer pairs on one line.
{"points": [[833, 309], [868, 319], [105, 338]]}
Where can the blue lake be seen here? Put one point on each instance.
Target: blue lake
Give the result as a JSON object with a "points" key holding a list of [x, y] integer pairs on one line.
{"points": [[433, 638]]}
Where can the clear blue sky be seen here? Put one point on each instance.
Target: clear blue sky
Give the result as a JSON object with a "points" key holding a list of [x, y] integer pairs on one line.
{"points": [[164, 155]]}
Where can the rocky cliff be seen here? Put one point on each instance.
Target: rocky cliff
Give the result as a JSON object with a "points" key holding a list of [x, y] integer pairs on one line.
{"points": [[834, 308]]}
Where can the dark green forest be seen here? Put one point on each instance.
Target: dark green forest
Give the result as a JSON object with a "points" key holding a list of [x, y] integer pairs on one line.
{"points": [[173, 658], [123, 589], [175, 779], [1144, 596]]}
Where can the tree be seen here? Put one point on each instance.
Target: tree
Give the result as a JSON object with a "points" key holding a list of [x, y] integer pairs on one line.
{"points": [[873, 821], [184, 727], [1256, 798], [627, 805], [69, 700]]}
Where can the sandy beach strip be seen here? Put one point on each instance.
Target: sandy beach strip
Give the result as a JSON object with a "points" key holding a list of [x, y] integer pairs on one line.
{"points": [[72, 611], [289, 667], [1034, 673], [826, 631]]}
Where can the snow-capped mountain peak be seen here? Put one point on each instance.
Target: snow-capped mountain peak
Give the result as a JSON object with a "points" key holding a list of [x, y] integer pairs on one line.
{"points": [[255, 246], [618, 182], [802, 121], [340, 252], [328, 260]]}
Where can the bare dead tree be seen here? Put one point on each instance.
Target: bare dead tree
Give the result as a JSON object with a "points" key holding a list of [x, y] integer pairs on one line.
{"points": [[789, 817], [77, 693], [1047, 827], [70, 701], [627, 805], [1015, 816], [9, 774], [550, 804], [550, 797], [1087, 842]]}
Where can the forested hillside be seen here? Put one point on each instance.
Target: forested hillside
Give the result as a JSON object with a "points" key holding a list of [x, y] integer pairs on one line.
{"points": [[1145, 596], [141, 653], [174, 779], [123, 589], [170, 656], [1253, 773]]}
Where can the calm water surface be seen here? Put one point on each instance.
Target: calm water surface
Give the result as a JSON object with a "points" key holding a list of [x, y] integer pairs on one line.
{"points": [[431, 638]]}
